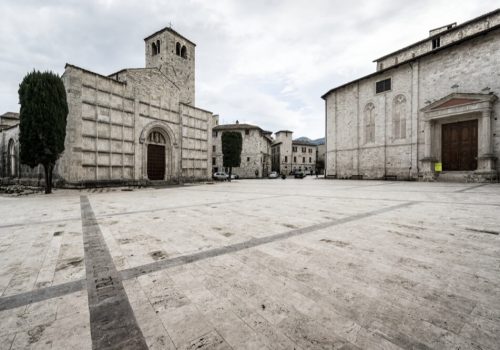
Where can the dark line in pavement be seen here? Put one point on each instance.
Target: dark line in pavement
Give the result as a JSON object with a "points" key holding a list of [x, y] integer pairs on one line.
{"points": [[254, 242], [52, 292], [470, 188], [36, 295], [112, 321]]}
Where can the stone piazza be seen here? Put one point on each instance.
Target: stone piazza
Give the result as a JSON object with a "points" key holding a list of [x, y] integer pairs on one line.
{"points": [[236, 175]]}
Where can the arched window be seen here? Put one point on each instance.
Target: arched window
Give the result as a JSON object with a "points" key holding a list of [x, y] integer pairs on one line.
{"points": [[154, 49], [178, 49], [184, 52], [399, 117], [158, 46], [11, 156], [369, 123], [156, 137]]}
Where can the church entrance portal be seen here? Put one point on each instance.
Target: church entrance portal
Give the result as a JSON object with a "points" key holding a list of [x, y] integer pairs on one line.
{"points": [[459, 146], [156, 156]]}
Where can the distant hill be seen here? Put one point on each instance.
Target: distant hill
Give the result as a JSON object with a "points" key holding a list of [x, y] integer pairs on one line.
{"points": [[320, 141]]}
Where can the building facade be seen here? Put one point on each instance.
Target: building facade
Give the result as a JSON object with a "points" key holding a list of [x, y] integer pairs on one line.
{"points": [[255, 152], [289, 156], [137, 125], [429, 111]]}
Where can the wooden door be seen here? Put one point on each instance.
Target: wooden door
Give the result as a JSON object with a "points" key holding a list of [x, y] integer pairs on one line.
{"points": [[156, 162], [459, 146]]}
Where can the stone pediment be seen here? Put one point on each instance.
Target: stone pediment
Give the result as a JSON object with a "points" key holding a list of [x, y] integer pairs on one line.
{"points": [[459, 103]]}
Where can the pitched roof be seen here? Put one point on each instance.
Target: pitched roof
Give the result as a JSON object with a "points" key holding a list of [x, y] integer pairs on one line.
{"points": [[413, 59], [10, 115], [459, 26], [303, 143], [168, 29], [236, 127]]}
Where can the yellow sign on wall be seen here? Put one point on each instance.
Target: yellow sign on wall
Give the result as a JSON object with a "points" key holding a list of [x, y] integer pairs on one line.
{"points": [[438, 167]]}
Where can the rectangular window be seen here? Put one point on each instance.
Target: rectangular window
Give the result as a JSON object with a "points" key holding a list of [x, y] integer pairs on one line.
{"points": [[214, 133], [286, 159], [213, 161], [247, 132], [303, 159], [303, 150], [248, 159], [436, 42], [213, 148], [383, 85], [294, 149], [310, 150], [310, 160], [295, 159]]}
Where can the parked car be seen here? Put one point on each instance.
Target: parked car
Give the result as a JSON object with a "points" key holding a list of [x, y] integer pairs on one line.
{"points": [[221, 176], [273, 175], [299, 175], [234, 177]]}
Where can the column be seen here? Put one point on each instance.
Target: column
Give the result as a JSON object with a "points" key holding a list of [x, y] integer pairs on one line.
{"points": [[486, 158]]}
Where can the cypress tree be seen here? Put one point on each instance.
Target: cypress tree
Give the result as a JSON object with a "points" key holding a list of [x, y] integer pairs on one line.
{"points": [[42, 128], [231, 150]]}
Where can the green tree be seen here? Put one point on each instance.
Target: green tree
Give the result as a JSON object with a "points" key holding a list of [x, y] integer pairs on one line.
{"points": [[231, 150], [42, 121]]}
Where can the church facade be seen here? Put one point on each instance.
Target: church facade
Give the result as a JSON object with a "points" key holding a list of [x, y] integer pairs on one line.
{"points": [[136, 125], [429, 112]]}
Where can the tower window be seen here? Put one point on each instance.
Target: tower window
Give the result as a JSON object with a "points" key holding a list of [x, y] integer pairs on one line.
{"points": [[184, 52], [158, 46], [154, 49], [436, 42], [178, 49]]}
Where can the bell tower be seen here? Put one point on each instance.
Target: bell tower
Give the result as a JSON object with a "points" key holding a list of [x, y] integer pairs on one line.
{"points": [[174, 55]]}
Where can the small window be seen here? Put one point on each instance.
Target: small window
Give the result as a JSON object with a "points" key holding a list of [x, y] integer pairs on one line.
{"points": [[286, 159], [303, 150], [310, 161], [295, 159], [436, 42], [248, 159], [294, 149], [178, 49], [310, 150], [247, 132], [184, 52], [154, 49], [213, 160], [383, 85], [214, 133], [303, 159], [213, 148], [158, 46]]}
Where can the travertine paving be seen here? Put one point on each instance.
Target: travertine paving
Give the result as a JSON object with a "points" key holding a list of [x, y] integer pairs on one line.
{"points": [[254, 264]]}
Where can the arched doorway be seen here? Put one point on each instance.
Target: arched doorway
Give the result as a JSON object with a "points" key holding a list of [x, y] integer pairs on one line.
{"points": [[11, 156], [156, 165]]}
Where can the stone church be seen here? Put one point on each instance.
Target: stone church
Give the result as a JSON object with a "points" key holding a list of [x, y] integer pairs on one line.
{"points": [[133, 126], [429, 112]]}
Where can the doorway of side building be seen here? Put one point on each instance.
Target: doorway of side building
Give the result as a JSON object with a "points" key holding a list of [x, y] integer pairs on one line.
{"points": [[156, 156], [459, 146]]}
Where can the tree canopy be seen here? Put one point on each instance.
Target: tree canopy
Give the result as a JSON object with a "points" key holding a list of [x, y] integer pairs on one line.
{"points": [[43, 114], [231, 150]]}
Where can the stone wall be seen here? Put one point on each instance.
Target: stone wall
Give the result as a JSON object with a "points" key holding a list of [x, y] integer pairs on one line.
{"points": [[470, 67]]}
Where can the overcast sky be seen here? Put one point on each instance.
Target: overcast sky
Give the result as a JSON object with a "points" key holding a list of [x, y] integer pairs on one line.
{"points": [[260, 62]]}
